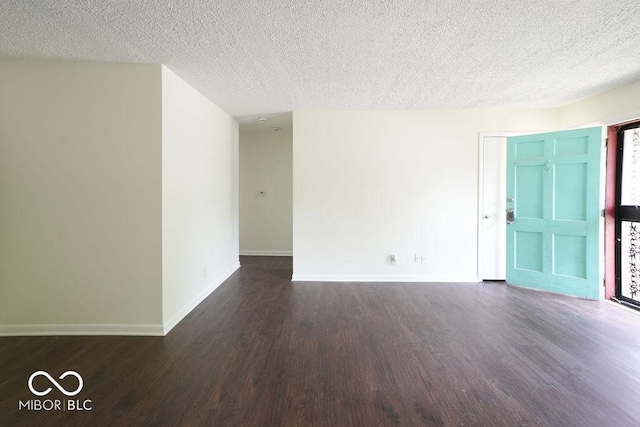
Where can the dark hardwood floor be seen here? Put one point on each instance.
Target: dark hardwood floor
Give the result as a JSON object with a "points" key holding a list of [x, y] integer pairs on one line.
{"points": [[262, 351]]}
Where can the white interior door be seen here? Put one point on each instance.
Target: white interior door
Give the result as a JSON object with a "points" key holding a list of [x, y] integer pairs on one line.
{"points": [[493, 208]]}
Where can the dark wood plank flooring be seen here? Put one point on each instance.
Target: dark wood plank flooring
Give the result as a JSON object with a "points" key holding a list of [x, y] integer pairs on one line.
{"points": [[262, 351]]}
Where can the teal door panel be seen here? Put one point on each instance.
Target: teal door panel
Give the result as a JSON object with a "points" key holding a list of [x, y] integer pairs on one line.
{"points": [[553, 186]]}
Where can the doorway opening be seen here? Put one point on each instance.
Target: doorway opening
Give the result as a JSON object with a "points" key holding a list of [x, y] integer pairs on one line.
{"points": [[266, 185], [627, 214], [554, 214]]}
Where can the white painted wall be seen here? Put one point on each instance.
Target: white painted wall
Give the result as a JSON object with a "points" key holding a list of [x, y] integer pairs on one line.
{"points": [[96, 237], [118, 198], [611, 107], [368, 184], [199, 197], [80, 198], [266, 221]]}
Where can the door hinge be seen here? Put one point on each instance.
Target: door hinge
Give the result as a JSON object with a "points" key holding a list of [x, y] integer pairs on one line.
{"points": [[603, 213], [605, 142]]}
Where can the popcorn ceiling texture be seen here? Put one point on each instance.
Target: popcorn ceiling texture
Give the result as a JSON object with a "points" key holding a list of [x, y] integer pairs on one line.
{"points": [[256, 57]]}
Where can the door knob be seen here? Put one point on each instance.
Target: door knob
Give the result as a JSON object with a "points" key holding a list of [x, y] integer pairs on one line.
{"points": [[486, 216]]}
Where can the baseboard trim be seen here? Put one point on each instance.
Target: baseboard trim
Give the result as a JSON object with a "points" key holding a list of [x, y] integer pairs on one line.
{"points": [[381, 278], [114, 329], [176, 318], [266, 253], [81, 329]]}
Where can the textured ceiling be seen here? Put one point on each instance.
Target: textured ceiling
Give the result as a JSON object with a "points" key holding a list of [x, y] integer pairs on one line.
{"points": [[254, 57]]}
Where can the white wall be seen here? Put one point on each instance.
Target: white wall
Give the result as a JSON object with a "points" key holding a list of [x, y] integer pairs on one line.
{"points": [[118, 198], [80, 198], [611, 107], [119, 193], [266, 221], [368, 184], [199, 197]]}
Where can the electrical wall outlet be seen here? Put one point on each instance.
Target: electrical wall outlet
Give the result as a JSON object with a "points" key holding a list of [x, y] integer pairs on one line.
{"points": [[419, 259]]}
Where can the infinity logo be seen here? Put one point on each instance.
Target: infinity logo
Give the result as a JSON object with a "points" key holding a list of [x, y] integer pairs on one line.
{"points": [[55, 383]]}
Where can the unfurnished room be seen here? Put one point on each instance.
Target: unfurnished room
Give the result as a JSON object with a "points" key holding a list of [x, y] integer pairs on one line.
{"points": [[334, 213]]}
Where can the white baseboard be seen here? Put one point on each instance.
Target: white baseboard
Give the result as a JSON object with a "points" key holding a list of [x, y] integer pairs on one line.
{"points": [[266, 253], [176, 318], [380, 278], [114, 329], [88, 329]]}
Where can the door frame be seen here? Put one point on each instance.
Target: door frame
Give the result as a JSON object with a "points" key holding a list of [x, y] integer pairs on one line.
{"points": [[609, 254], [607, 248], [618, 212], [480, 204]]}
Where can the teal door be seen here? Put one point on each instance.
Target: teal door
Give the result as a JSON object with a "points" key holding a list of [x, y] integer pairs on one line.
{"points": [[553, 187]]}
